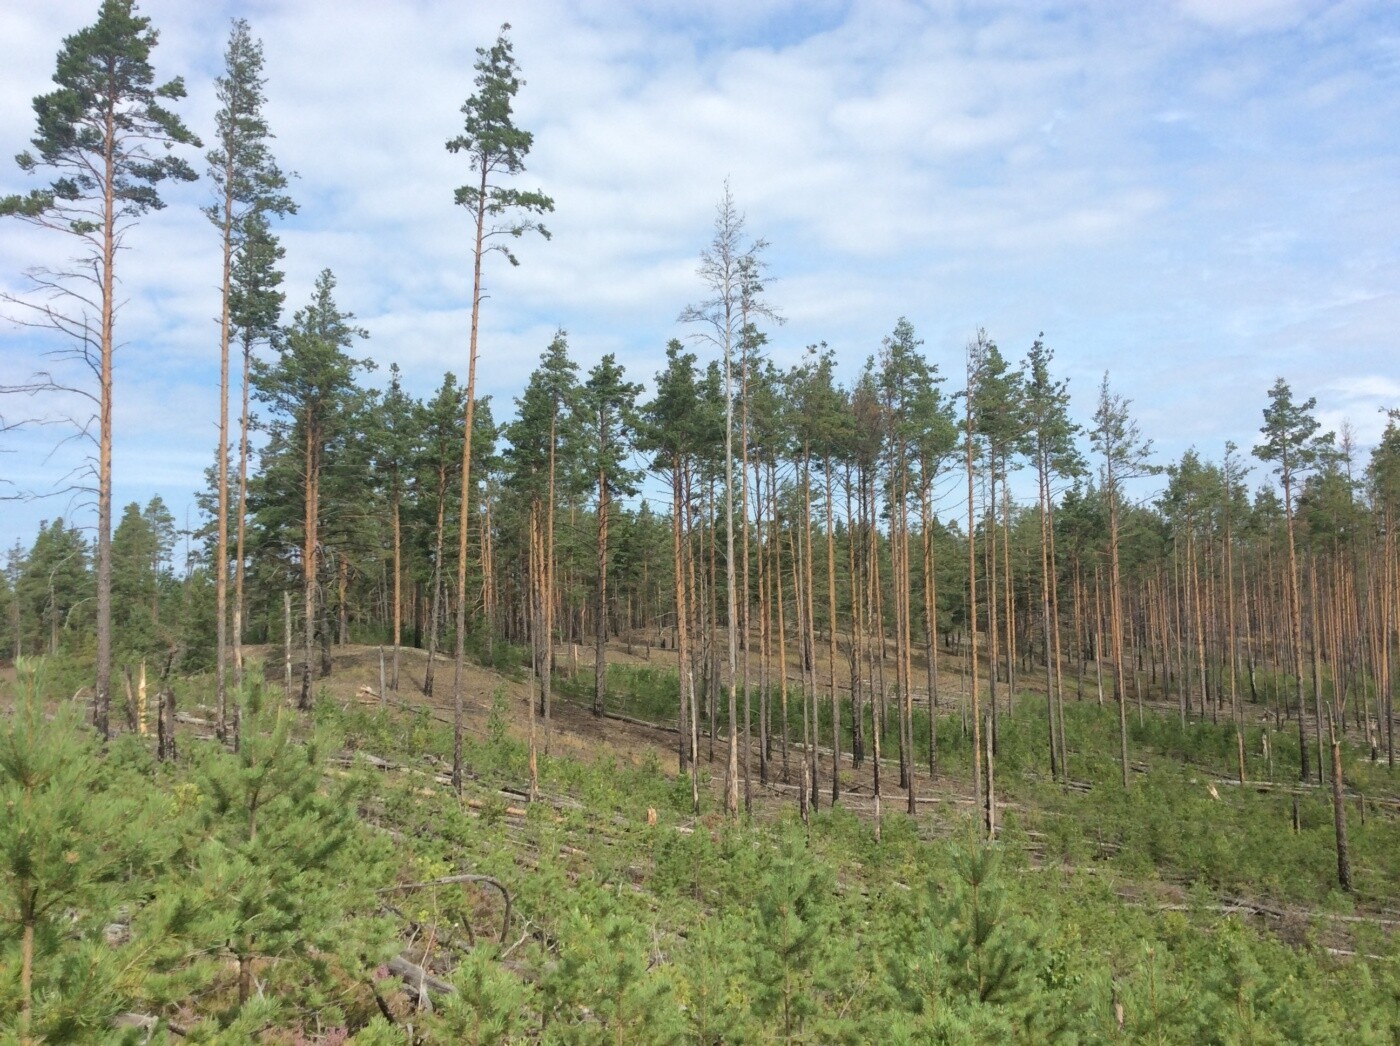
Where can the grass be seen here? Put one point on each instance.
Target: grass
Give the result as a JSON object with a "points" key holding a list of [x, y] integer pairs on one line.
{"points": [[1109, 901]]}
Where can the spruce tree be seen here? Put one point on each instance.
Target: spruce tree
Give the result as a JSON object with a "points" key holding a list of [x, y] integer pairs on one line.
{"points": [[107, 135]]}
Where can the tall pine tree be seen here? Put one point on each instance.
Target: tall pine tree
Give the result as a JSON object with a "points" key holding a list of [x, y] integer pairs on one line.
{"points": [[106, 134], [247, 181], [496, 150]]}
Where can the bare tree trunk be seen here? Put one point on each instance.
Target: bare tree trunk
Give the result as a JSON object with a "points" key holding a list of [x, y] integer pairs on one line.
{"points": [[972, 604], [831, 637], [287, 645], [682, 638], [342, 600], [435, 615], [993, 616], [1295, 606], [1008, 587], [242, 520], [459, 658], [765, 633], [857, 625], [398, 590], [547, 594], [102, 695], [1115, 598], [731, 772], [745, 605], [310, 551], [930, 621], [221, 465], [600, 607], [536, 613], [1046, 626], [781, 638]]}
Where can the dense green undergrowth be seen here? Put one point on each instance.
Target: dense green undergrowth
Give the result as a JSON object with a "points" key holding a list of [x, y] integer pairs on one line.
{"points": [[261, 896]]}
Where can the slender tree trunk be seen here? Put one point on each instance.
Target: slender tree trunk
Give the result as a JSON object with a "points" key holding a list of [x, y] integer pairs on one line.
{"points": [[221, 464], [489, 609], [1046, 627], [1314, 642], [547, 567], [972, 607], [857, 625], [459, 658], [242, 523], [1115, 599], [398, 585], [731, 779], [993, 616], [781, 638], [600, 609], [342, 600], [1058, 656], [1231, 636], [1009, 588], [710, 607], [745, 605], [831, 636], [684, 675], [1295, 606], [435, 615], [102, 690], [693, 612], [930, 619], [765, 633], [309, 553], [535, 589], [809, 632]]}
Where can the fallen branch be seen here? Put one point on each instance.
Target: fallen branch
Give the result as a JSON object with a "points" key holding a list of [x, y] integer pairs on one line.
{"points": [[646, 724], [419, 978], [148, 1023], [448, 880]]}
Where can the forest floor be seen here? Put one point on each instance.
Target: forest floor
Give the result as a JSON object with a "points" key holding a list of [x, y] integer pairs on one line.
{"points": [[1182, 866], [575, 732]]}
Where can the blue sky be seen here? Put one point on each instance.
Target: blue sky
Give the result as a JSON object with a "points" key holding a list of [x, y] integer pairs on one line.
{"points": [[1197, 196]]}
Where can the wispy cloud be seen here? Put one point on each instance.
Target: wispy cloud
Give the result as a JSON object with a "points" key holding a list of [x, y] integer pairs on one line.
{"points": [[1195, 196]]}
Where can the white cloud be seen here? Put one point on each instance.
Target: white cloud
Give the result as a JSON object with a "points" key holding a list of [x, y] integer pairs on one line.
{"points": [[1244, 14], [1194, 197]]}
